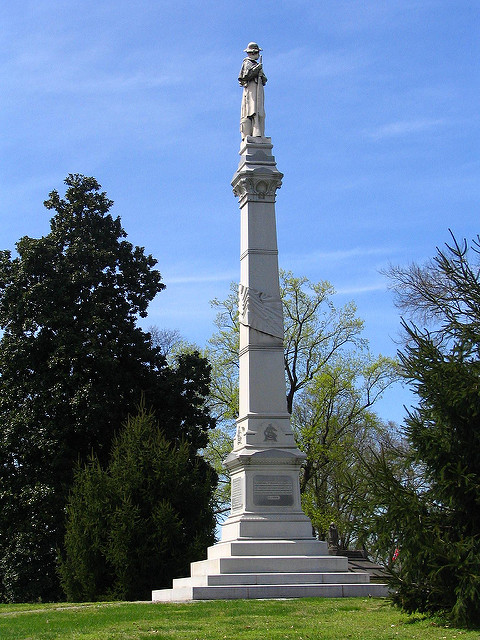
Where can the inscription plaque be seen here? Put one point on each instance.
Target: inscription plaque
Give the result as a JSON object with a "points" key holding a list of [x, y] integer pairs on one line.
{"points": [[272, 491], [237, 497]]}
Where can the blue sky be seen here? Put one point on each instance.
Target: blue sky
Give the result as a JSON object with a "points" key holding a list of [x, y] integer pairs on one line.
{"points": [[372, 107]]}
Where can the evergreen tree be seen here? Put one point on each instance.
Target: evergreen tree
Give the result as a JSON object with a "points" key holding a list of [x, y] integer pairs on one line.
{"points": [[437, 524], [139, 523], [84, 571], [73, 365]]}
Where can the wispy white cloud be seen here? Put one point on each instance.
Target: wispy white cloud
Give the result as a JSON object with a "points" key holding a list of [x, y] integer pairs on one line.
{"points": [[33, 71], [355, 252], [362, 288], [119, 83], [361, 16], [404, 127], [301, 61], [338, 256], [226, 276]]}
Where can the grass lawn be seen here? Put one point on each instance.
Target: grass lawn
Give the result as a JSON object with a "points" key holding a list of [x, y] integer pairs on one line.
{"points": [[304, 619]]}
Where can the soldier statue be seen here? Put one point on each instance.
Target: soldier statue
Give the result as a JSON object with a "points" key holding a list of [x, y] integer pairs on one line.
{"points": [[252, 79]]}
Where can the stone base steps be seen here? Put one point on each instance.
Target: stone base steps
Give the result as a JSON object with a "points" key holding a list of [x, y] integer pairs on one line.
{"points": [[262, 569], [270, 564], [259, 592], [268, 548], [247, 579]]}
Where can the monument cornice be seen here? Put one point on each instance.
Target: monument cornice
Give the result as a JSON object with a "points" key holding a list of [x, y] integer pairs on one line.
{"points": [[256, 185], [250, 456]]}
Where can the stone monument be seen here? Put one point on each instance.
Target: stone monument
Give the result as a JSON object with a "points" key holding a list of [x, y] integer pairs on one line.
{"points": [[267, 549]]}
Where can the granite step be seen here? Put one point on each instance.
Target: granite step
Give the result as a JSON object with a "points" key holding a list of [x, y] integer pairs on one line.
{"points": [[246, 579], [270, 564], [268, 548], [229, 592]]}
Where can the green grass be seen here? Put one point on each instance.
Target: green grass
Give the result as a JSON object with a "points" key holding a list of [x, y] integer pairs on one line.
{"points": [[305, 619]]}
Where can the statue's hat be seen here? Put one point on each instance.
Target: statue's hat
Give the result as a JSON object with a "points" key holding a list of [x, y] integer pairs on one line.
{"points": [[252, 46]]}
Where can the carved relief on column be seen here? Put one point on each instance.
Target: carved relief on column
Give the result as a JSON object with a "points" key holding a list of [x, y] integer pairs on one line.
{"points": [[260, 311], [257, 188]]}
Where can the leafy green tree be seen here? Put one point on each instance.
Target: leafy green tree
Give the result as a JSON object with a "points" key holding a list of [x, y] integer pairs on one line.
{"points": [[382, 475], [170, 343], [222, 352], [334, 424], [332, 383], [73, 365], [438, 524], [316, 332], [139, 523]]}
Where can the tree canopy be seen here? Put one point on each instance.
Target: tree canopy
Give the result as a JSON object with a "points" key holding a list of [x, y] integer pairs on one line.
{"points": [[73, 365]]}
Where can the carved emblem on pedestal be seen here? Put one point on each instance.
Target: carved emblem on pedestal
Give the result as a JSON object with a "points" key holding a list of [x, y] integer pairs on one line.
{"points": [[270, 433]]}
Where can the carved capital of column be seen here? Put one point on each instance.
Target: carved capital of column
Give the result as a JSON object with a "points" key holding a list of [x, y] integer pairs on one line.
{"points": [[256, 186]]}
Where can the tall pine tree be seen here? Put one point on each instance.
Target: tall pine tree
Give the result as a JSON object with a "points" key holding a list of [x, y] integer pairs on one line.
{"points": [[437, 523], [140, 522]]}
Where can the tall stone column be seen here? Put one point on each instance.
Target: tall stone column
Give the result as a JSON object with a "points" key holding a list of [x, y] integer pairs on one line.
{"points": [[267, 549], [265, 462]]}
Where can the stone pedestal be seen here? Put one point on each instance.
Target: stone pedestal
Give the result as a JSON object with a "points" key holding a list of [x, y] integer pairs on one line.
{"points": [[267, 549]]}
